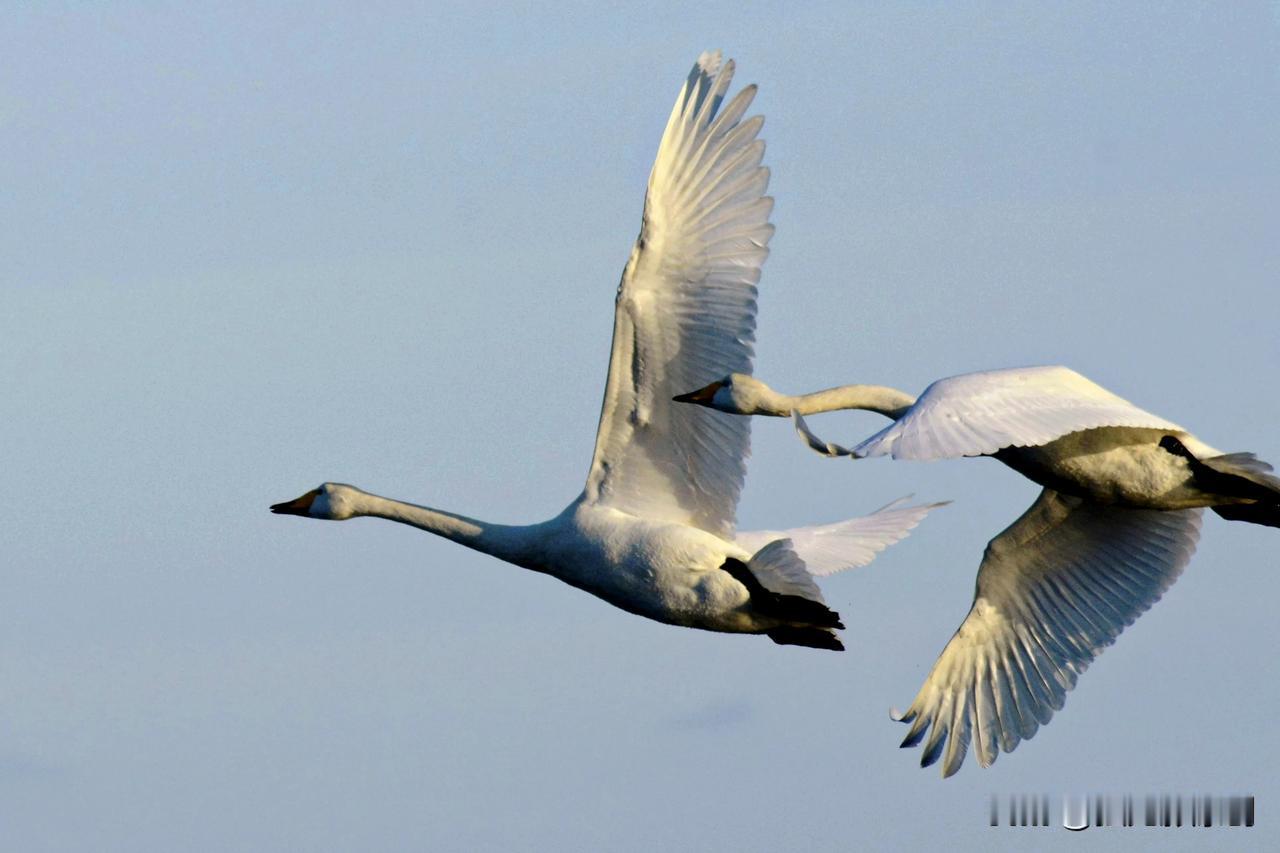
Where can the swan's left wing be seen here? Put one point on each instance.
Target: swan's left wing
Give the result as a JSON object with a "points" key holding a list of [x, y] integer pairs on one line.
{"points": [[1054, 589], [686, 315], [830, 548]]}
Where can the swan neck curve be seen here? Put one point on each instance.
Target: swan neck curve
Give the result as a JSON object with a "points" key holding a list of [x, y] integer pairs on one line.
{"points": [[889, 402], [511, 543]]}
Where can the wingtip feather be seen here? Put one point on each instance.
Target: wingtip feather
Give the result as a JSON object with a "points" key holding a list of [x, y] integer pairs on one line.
{"points": [[709, 62]]}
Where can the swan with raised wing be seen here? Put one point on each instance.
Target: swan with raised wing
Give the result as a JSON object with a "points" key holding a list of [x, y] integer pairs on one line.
{"points": [[1117, 521], [653, 531]]}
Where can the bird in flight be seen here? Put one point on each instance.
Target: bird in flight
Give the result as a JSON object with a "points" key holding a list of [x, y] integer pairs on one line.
{"points": [[653, 530], [1116, 523]]}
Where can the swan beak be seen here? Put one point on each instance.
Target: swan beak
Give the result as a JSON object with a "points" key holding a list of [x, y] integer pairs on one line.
{"points": [[297, 506], [703, 396]]}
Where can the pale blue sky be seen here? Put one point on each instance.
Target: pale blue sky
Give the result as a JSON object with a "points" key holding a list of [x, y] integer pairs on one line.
{"points": [[246, 250]]}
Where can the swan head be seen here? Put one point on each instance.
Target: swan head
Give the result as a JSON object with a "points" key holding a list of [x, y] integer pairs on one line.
{"points": [[738, 394], [331, 501]]}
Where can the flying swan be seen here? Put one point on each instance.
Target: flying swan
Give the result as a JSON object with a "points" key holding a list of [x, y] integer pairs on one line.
{"points": [[653, 531], [1117, 521]]}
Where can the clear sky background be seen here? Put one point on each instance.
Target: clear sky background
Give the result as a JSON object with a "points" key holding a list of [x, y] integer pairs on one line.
{"points": [[245, 250]]}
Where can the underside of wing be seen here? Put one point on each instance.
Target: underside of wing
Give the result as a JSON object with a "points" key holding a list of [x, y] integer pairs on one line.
{"points": [[685, 314], [830, 548], [1054, 589], [979, 413]]}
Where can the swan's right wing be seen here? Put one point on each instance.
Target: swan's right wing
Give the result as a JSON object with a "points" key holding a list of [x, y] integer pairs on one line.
{"points": [[830, 548], [1054, 589], [978, 413], [686, 315]]}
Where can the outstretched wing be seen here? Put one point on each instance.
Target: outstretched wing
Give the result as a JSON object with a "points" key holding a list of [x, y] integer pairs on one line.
{"points": [[686, 314], [979, 413], [830, 548], [1053, 590]]}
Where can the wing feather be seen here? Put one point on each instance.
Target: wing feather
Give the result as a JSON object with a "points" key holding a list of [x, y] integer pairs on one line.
{"points": [[686, 314], [1053, 590], [979, 413], [830, 548]]}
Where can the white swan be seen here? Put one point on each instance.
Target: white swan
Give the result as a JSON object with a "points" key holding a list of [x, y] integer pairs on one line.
{"points": [[1117, 521], [652, 532]]}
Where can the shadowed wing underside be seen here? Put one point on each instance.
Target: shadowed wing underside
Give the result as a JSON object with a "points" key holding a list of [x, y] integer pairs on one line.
{"points": [[1053, 590]]}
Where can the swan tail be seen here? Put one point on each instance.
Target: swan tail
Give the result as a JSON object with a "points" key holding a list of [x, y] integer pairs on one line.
{"points": [[813, 638], [1239, 476], [1250, 476], [1267, 515]]}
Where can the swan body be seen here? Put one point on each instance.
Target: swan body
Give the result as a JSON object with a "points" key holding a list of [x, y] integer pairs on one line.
{"points": [[1117, 521], [653, 530], [1122, 466], [665, 571]]}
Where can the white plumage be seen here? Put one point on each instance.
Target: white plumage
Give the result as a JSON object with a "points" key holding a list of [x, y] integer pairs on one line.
{"points": [[1053, 590], [686, 307], [976, 414], [1115, 525], [653, 530], [831, 548]]}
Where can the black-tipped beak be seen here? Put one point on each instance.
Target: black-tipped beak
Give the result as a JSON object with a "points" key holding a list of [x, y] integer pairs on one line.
{"points": [[703, 396], [297, 506]]}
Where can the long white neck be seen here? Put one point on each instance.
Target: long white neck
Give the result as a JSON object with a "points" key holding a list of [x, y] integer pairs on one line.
{"points": [[889, 402], [512, 543]]}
